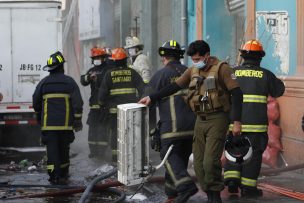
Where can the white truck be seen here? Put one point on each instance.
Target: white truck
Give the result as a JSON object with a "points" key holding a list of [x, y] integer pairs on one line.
{"points": [[29, 32]]}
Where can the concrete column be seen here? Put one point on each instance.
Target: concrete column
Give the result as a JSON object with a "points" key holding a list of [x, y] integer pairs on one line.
{"points": [[125, 20], [300, 37], [199, 19], [250, 32]]}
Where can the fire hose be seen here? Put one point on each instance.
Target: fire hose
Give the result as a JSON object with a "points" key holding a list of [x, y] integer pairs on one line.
{"points": [[158, 179], [87, 191]]}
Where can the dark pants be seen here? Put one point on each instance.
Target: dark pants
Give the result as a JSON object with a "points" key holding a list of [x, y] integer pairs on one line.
{"points": [[208, 143], [177, 178], [58, 147], [246, 175], [98, 136], [112, 124]]}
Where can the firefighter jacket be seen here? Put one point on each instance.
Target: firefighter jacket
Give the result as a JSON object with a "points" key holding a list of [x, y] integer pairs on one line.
{"points": [[57, 100], [85, 80], [142, 65], [176, 118], [121, 85], [257, 84]]}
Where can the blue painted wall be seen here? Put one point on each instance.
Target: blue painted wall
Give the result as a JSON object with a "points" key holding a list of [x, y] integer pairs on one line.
{"points": [[191, 20], [270, 61], [218, 28]]}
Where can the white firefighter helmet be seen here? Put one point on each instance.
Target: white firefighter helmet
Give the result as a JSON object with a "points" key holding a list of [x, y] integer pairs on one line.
{"points": [[132, 42]]}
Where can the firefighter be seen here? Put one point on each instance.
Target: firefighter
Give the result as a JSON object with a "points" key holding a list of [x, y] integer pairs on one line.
{"points": [[257, 84], [212, 85], [140, 61], [175, 126], [97, 137], [121, 85], [58, 104]]}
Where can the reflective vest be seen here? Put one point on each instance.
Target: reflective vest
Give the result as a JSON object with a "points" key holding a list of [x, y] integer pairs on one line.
{"points": [[205, 94]]}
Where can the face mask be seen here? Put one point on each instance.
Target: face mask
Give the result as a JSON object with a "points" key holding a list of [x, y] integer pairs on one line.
{"points": [[97, 62], [199, 64], [132, 52]]}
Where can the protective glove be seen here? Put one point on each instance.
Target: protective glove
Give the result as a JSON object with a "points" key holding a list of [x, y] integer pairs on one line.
{"points": [[77, 126], [155, 139]]}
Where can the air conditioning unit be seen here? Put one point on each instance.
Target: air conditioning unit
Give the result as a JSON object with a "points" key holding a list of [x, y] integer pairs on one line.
{"points": [[133, 143]]}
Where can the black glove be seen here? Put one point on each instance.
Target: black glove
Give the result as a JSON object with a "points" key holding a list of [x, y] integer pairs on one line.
{"points": [[77, 126], [155, 139], [303, 123]]}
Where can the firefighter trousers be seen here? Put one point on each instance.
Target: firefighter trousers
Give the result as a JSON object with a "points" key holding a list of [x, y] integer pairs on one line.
{"points": [[112, 124], [177, 178], [246, 175], [98, 137], [57, 148], [208, 143]]}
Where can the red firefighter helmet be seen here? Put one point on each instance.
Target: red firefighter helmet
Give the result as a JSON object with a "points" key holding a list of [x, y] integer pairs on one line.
{"points": [[96, 52], [253, 47], [118, 54]]}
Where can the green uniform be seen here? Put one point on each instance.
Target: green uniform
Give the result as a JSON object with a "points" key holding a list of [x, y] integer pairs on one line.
{"points": [[212, 122]]}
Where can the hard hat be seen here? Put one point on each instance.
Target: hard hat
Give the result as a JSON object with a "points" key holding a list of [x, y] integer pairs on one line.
{"points": [[238, 149], [132, 42], [171, 48], [96, 52], [118, 54], [54, 61], [253, 47]]}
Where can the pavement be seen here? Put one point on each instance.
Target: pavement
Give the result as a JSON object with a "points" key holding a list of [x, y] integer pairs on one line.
{"points": [[83, 169]]}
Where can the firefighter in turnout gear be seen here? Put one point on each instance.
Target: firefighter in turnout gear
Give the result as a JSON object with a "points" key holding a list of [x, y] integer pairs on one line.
{"points": [[97, 138], [121, 85], [257, 84], [140, 61], [58, 104], [176, 125], [213, 92]]}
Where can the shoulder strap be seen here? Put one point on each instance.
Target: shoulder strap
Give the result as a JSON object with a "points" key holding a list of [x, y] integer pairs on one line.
{"points": [[214, 70], [194, 72]]}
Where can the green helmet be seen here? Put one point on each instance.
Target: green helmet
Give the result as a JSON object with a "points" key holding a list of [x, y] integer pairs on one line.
{"points": [[171, 48]]}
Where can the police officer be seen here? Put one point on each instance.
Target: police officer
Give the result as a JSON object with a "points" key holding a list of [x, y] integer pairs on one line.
{"points": [[140, 61], [176, 125], [58, 104], [121, 85], [97, 139], [212, 85], [257, 84]]}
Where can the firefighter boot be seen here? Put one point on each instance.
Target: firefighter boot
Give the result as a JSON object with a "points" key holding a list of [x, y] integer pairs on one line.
{"points": [[216, 197], [209, 196], [251, 192], [233, 186], [184, 196]]}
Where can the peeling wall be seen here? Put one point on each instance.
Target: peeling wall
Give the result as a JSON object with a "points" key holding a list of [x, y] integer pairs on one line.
{"points": [[276, 29]]}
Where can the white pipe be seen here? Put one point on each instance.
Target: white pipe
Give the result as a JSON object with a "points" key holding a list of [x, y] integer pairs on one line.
{"points": [[165, 158]]}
